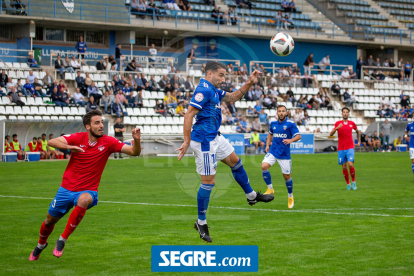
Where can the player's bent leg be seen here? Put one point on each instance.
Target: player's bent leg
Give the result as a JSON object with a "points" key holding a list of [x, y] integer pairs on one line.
{"points": [[267, 178], [203, 199], [83, 201], [45, 230]]}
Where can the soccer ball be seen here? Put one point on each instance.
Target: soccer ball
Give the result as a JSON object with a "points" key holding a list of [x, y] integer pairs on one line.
{"points": [[282, 44]]}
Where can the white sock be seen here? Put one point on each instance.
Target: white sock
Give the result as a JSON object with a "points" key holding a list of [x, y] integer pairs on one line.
{"points": [[290, 194], [202, 222], [62, 239], [251, 195], [41, 246], [270, 186]]}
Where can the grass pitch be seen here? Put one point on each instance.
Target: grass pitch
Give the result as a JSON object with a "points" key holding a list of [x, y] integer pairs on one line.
{"points": [[330, 231]]}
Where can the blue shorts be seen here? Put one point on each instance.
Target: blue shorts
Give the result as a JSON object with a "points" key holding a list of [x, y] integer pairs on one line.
{"points": [[346, 156], [65, 200]]}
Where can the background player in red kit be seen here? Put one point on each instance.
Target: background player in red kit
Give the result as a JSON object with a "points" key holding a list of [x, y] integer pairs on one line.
{"points": [[346, 151], [79, 188]]}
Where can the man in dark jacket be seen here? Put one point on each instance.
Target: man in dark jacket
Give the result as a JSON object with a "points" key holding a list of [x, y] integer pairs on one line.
{"points": [[360, 63], [3, 78], [60, 66], [100, 65], [117, 109]]}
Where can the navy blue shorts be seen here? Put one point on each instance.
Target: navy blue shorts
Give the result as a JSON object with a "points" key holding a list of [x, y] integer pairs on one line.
{"points": [[65, 200]]}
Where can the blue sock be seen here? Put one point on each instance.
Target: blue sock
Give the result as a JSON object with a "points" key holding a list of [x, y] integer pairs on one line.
{"points": [[203, 197], [289, 185], [412, 166], [267, 178], [240, 176]]}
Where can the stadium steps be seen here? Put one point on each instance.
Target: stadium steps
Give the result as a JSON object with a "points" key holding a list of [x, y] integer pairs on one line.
{"points": [[384, 12]]}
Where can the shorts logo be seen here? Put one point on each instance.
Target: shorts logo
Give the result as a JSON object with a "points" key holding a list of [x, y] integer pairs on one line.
{"points": [[54, 203], [199, 97]]}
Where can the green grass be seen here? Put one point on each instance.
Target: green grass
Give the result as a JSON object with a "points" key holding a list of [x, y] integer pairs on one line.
{"points": [[331, 231]]}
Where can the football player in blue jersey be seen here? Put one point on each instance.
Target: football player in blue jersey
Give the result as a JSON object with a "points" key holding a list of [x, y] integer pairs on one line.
{"points": [[409, 131], [208, 145], [281, 133]]}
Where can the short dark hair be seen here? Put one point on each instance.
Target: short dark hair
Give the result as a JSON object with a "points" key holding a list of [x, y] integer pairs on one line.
{"points": [[34, 137], [44, 134], [347, 108], [14, 135], [281, 105], [88, 116], [7, 136], [214, 66]]}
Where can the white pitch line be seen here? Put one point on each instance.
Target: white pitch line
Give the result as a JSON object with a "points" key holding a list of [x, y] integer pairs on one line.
{"points": [[315, 211]]}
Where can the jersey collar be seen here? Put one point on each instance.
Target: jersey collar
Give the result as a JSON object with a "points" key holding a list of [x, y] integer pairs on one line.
{"points": [[282, 122]]}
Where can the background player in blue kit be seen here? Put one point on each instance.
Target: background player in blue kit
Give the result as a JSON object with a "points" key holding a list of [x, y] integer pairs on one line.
{"points": [[281, 133], [409, 131], [207, 143]]}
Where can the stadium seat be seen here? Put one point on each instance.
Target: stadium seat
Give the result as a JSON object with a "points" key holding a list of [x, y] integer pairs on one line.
{"points": [[81, 111], [26, 110], [134, 121], [5, 101], [62, 118], [2, 110], [154, 130], [169, 121], [127, 120], [70, 118], [10, 110]]}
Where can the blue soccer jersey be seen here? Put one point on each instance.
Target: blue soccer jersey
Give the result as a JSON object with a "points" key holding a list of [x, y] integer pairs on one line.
{"points": [[207, 99], [280, 131], [410, 130]]}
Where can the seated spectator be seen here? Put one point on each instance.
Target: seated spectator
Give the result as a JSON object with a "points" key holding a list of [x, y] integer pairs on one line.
{"points": [[68, 66], [324, 63], [257, 126], [9, 85], [239, 128], [160, 108], [48, 80], [107, 100], [352, 74], [290, 96], [379, 76], [216, 13], [170, 5], [14, 97], [233, 16], [171, 100], [64, 98], [117, 109], [314, 103], [189, 84], [32, 62], [56, 97], [345, 74], [168, 88], [298, 118], [75, 64], [62, 85], [232, 109], [38, 88], [379, 113], [94, 92], [121, 98], [285, 6], [3, 78], [112, 62], [20, 89], [131, 66], [29, 88], [91, 105], [243, 123], [134, 6], [78, 98], [80, 82], [347, 98], [336, 89], [31, 77], [386, 63], [210, 2], [153, 84], [100, 66], [185, 5], [180, 109], [391, 64], [318, 130], [263, 117], [269, 102]]}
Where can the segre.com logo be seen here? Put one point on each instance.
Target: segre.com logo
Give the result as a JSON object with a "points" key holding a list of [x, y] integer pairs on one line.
{"points": [[196, 258]]}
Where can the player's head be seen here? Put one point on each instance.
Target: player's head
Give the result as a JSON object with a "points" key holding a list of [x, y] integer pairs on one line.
{"points": [[7, 138], [34, 140], [44, 136], [14, 137], [39, 139], [215, 73], [118, 120], [375, 133], [93, 123], [281, 112], [345, 113]]}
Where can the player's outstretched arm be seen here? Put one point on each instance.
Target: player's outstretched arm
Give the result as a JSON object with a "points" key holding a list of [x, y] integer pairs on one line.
{"points": [[134, 150], [188, 123], [60, 143], [235, 96]]}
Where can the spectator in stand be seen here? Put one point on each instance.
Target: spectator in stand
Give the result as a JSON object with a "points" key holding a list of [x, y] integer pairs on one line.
{"points": [[285, 6], [279, 20], [160, 108], [91, 105], [153, 54], [324, 63], [64, 98], [352, 74], [35, 146], [81, 47], [269, 102], [257, 126], [20, 89], [62, 85], [400, 76], [345, 74], [131, 66], [9, 85], [94, 92], [75, 64], [244, 124], [117, 109], [377, 62], [16, 147], [118, 57], [347, 98], [233, 16], [80, 82], [170, 100], [297, 117], [185, 5], [38, 88], [308, 64], [386, 63], [232, 109], [3, 78], [189, 84], [112, 62], [292, 6], [15, 98], [257, 108], [401, 63], [31, 77], [68, 66], [32, 62], [371, 61], [263, 117], [100, 66], [336, 89], [379, 112], [360, 63], [134, 6], [107, 100], [29, 88], [139, 83], [210, 2], [131, 83], [78, 98], [391, 64], [405, 102], [119, 129], [180, 109], [48, 80], [59, 66], [170, 5], [168, 88], [314, 103], [290, 96], [407, 71], [138, 100]]}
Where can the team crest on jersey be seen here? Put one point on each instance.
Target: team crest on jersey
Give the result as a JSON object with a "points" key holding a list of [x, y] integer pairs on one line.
{"points": [[199, 97], [101, 148], [284, 127]]}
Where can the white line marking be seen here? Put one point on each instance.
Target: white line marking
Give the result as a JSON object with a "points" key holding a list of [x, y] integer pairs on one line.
{"points": [[315, 211]]}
